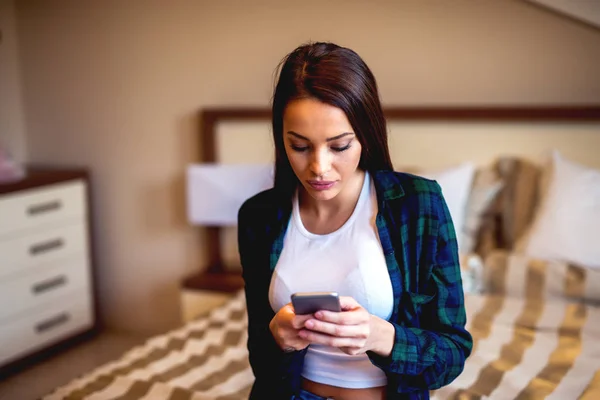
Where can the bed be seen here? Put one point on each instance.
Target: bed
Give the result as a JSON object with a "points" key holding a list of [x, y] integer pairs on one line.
{"points": [[533, 306], [524, 348]]}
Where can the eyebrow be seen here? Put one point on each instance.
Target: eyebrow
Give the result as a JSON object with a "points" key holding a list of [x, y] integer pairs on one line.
{"points": [[299, 136]]}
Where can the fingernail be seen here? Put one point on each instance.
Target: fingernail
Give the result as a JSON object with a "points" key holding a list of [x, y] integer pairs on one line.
{"points": [[302, 334], [319, 314], [310, 324]]}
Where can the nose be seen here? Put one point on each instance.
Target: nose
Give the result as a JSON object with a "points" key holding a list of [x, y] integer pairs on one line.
{"points": [[320, 163]]}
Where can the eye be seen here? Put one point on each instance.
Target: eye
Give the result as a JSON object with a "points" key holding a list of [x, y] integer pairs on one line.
{"points": [[340, 149], [299, 149]]}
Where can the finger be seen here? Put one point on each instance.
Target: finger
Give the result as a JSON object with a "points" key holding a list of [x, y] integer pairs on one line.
{"points": [[288, 318], [357, 331], [327, 340], [348, 303], [355, 317], [289, 337], [299, 320], [287, 310], [294, 345], [298, 343]]}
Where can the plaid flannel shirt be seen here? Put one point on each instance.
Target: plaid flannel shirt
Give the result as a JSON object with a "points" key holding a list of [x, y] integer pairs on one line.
{"points": [[418, 238]]}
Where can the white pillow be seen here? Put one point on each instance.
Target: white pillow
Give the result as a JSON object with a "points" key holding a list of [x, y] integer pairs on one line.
{"points": [[567, 225], [456, 186]]}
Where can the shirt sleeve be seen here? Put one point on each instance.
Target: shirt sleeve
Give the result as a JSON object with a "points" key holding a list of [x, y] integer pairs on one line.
{"points": [[434, 354], [266, 358]]}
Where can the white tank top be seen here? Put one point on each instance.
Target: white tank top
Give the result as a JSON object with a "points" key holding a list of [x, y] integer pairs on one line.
{"points": [[349, 261]]}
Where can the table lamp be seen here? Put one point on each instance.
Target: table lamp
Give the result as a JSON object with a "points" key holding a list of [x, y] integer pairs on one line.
{"points": [[215, 193]]}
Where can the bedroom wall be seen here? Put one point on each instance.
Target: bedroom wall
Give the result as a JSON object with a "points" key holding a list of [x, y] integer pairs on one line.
{"points": [[116, 85], [12, 119]]}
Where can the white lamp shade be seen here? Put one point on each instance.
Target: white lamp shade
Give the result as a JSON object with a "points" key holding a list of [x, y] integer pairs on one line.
{"points": [[215, 192]]}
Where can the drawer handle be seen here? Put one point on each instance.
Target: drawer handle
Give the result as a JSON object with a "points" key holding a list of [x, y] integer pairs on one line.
{"points": [[46, 246], [50, 323], [49, 284], [44, 207]]}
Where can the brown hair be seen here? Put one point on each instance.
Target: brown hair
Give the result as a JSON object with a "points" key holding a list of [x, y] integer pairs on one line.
{"points": [[339, 77]]}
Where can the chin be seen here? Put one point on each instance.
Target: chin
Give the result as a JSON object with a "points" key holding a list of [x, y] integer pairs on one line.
{"points": [[322, 195]]}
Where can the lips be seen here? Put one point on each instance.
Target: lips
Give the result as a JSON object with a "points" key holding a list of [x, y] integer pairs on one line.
{"points": [[321, 185]]}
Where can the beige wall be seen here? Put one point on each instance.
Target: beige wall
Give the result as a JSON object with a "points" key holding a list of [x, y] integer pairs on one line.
{"points": [[116, 85], [12, 120]]}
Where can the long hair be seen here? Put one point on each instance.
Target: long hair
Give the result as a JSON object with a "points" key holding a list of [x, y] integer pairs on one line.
{"points": [[336, 76]]}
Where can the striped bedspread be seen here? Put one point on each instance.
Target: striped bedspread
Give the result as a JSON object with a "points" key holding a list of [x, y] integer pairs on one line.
{"points": [[525, 348], [529, 350]]}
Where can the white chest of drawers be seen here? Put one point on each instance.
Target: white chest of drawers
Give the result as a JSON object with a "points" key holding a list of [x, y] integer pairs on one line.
{"points": [[46, 286]]}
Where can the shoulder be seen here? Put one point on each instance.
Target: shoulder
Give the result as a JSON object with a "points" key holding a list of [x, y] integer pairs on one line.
{"points": [[263, 208], [412, 196], [259, 201], [394, 184]]}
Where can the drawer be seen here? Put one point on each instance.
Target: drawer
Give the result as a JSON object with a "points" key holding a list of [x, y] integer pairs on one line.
{"points": [[44, 327], [45, 205], [21, 253], [40, 286]]}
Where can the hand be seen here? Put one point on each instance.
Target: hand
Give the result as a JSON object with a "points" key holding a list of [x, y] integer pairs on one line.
{"points": [[285, 327], [354, 330]]}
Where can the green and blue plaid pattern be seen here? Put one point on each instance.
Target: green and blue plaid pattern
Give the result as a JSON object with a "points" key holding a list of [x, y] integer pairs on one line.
{"points": [[421, 252]]}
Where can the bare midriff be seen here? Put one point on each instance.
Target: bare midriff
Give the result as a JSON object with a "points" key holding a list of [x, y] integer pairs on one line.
{"points": [[340, 393]]}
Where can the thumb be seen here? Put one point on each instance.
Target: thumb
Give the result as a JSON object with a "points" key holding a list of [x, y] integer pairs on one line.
{"points": [[348, 303], [287, 313]]}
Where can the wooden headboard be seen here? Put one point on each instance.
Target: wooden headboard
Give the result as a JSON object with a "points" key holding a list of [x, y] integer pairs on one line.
{"points": [[423, 137]]}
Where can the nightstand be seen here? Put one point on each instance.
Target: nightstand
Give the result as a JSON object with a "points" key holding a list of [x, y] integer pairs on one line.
{"points": [[206, 290], [46, 278]]}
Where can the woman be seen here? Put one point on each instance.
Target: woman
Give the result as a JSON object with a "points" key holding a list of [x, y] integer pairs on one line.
{"points": [[340, 219]]}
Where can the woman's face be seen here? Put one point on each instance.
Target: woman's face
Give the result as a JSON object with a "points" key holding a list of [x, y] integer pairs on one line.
{"points": [[321, 146]]}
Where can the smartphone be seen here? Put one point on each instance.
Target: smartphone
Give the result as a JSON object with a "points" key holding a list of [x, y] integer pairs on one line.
{"points": [[311, 302]]}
